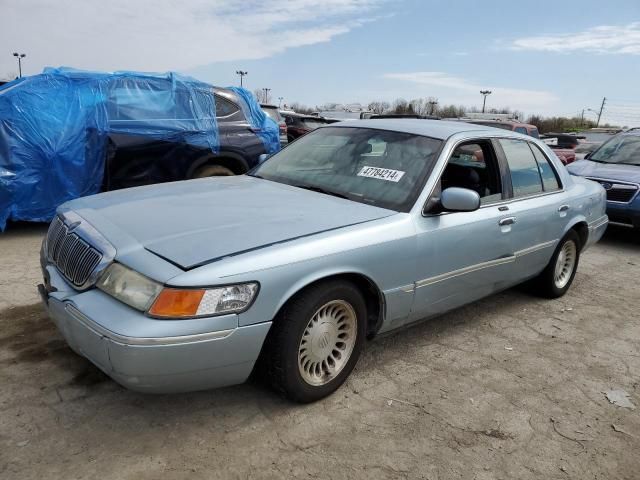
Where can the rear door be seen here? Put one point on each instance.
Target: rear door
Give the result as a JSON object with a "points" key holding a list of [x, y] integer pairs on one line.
{"points": [[535, 209]]}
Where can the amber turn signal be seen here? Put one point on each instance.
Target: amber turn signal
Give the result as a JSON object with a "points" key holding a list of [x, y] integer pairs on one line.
{"points": [[174, 303]]}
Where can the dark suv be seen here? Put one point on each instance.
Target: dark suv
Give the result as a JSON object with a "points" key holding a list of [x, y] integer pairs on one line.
{"points": [[141, 160], [78, 133]]}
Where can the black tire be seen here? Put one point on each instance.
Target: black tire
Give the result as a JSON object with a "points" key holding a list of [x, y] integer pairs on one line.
{"points": [[545, 284], [212, 171], [280, 355]]}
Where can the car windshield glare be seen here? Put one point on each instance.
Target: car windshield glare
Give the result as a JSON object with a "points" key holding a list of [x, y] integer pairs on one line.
{"points": [[377, 167], [621, 149]]}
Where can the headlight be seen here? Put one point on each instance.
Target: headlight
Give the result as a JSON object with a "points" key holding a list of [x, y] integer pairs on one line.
{"points": [[177, 303], [129, 286]]}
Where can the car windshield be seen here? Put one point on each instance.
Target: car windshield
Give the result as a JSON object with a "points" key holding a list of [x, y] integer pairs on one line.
{"points": [[621, 149], [377, 167]]}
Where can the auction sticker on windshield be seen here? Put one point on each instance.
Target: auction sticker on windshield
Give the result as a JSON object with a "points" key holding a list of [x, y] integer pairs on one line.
{"points": [[381, 173]]}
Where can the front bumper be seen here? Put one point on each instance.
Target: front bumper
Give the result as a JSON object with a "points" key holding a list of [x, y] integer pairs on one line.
{"points": [[153, 363], [624, 214]]}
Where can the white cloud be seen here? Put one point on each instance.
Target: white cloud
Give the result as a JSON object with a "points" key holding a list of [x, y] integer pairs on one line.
{"points": [[158, 35], [603, 39], [457, 90]]}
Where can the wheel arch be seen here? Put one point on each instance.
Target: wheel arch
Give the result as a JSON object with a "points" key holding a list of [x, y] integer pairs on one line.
{"points": [[581, 227], [234, 162], [372, 294]]}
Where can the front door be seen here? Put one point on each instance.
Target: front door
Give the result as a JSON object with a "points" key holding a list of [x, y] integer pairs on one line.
{"points": [[464, 256]]}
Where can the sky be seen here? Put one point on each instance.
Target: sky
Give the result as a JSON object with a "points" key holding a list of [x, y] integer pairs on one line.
{"points": [[539, 57]]}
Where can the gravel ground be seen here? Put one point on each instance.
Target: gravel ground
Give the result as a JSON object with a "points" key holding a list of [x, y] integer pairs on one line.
{"points": [[510, 387]]}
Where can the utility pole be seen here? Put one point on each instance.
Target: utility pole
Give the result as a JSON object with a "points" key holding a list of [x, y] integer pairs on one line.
{"points": [[242, 74], [19, 56], [280, 101], [484, 93], [432, 105], [582, 118], [604, 99], [266, 94]]}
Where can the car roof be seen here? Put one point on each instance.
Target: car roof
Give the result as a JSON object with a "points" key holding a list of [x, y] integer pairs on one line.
{"points": [[441, 129]]}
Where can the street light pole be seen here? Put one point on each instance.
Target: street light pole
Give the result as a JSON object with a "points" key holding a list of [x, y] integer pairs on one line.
{"points": [[19, 56], [242, 74], [280, 101], [432, 106], [266, 94], [484, 93]]}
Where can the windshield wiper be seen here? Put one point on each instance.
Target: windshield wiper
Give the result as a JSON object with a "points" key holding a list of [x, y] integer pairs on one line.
{"points": [[321, 190]]}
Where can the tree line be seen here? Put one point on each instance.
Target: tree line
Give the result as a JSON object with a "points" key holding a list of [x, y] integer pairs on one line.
{"points": [[430, 106]]}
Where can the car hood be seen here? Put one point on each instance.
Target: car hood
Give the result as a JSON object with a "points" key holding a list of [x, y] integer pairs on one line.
{"points": [[195, 222], [606, 171]]}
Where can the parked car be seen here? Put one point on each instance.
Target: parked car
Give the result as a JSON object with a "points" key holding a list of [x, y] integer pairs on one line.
{"points": [[273, 112], [403, 115], [616, 166], [566, 155], [137, 158], [354, 230], [299, 125], [512, 125], [105, 131]]}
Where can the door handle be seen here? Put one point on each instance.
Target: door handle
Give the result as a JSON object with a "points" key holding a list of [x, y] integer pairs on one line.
{"points": [[507, 221], [563, 208]]}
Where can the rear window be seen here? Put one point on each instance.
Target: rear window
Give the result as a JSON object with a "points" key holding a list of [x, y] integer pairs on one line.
{"points": [[273, 114], [224, 107]]}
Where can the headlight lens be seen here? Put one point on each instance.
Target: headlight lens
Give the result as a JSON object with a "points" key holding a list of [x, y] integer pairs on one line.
{"points": [[129, 286], [177, 303]]}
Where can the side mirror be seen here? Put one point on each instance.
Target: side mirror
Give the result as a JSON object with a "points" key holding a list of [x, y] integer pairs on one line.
{"points": [[455, 199], [262, 158]]}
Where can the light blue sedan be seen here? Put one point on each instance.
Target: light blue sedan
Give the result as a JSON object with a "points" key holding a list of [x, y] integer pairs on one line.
{"points": [[353, 230]]}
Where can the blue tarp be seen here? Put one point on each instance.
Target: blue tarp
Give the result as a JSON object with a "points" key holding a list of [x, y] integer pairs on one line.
{"points": [[263, 125], [54, 128]]}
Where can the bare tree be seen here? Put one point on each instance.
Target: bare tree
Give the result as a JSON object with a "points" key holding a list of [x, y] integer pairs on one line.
{"points": [[378, 107], [9, 76], [259, 94]]}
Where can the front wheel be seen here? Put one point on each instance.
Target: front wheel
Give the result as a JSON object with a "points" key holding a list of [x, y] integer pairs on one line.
{"points": [[315, 341], [557, 277]]}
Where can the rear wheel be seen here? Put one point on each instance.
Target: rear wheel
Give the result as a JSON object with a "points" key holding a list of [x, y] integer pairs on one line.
{"points": [[212, 171], [557, 277], [315, 341]]}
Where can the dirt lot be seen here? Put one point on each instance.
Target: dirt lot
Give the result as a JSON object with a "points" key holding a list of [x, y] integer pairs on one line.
{"points": [[507, 388]]}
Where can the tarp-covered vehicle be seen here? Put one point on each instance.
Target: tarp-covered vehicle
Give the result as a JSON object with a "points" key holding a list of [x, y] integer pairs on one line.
{"points": [[67, 133]]}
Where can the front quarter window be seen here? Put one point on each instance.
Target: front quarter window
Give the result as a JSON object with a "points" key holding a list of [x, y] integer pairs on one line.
{"points": [[377, 167]]}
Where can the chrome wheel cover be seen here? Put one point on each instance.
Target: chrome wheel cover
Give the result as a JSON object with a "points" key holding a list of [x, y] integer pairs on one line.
{"points": [[327, 342], [565, 263]]}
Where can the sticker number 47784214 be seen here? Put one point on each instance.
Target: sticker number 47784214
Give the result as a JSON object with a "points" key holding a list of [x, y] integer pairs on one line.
{"points": [[381, 173]]}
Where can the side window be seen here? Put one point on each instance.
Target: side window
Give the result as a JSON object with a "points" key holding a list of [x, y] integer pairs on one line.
{"points": [[474, 166], [521, 130], [550, 180], [224, 107], [525, 176]]}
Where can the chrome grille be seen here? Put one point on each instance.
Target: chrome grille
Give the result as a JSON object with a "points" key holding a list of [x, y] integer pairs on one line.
{"points": [[74, 258], [618, 192]]}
